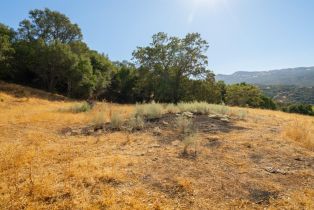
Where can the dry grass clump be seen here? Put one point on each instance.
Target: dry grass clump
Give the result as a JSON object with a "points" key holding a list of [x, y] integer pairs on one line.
{"points": [[203, 108], [136, 123], [78, 108], [195, 107], [302, 132], [242, 114], [150, 111], [184, 125], [187, 133], [185, 184], [188, 141], [172, 109], [116, 120], [99, 119]]}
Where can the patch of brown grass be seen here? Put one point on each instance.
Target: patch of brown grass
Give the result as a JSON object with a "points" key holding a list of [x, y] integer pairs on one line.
{"points": [[40, 168], [301, 132]]}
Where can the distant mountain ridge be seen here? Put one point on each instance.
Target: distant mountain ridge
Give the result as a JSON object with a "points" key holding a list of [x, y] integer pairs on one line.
{"points": [[301, 76]]}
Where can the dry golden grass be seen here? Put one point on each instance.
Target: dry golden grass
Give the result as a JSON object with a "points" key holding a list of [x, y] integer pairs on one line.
{"points": [[302, 132], [41, 168]]}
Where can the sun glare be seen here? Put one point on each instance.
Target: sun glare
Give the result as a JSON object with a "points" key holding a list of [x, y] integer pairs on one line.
{"points": [[200, 5]]}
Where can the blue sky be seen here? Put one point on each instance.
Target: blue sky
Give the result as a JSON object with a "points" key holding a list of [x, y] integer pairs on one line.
{"points": [[243, 34]]}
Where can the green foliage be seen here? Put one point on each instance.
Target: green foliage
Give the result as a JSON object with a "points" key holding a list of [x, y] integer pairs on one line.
{"points": [[201, 90], [289, 93], [49, 26], [267, 103], [170, 60], [243, 95], [6, 51], [123, 84], [305, 109], [49, 54]]}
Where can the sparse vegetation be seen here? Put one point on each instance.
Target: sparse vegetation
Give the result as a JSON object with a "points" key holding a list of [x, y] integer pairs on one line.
{"points": [[187, 134], [242, 114], [188, 141], [79, 107], [98, 119], [136, 123], [150, 111], [116, 121], [184, 125], [172, 109]]}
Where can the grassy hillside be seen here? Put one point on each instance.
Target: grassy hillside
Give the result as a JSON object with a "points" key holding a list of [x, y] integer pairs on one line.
{"points": [[54, 157]]}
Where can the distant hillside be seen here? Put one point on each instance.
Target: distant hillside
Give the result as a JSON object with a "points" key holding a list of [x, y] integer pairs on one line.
{"points": [[289, 93], [303, 76]]}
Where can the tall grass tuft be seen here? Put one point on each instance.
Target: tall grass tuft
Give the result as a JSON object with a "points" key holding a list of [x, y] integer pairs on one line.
{"points": [[301, 132], [172, 109], [150, 111], [99, 119], [184, 125], [203, 108], [136, 123], [116, 121], [78, 108]]}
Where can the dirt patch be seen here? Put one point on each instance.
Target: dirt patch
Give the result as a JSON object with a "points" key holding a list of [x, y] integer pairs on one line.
{"points": [[164, 127], [260, 196]]}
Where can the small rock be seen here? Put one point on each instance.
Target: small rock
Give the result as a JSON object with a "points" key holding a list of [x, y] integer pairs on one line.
{"points": [[99, 131], [155, 159], [225, 119], [76, 131], [68, 133], [213, 116], [165, 123], [175, 143], [157, 131], [275, 170], [187, 114]]}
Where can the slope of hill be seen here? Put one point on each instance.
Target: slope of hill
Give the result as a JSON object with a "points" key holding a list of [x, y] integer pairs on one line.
{"points": [[52, 158], [303, 76], [289, 93]]}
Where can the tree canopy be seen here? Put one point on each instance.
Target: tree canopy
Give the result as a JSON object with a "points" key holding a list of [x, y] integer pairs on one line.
{"points": [[49, 26], [169, 60]]}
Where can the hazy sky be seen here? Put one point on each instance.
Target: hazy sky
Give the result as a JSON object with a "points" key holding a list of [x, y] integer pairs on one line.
{"points": [[243, 34]]}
